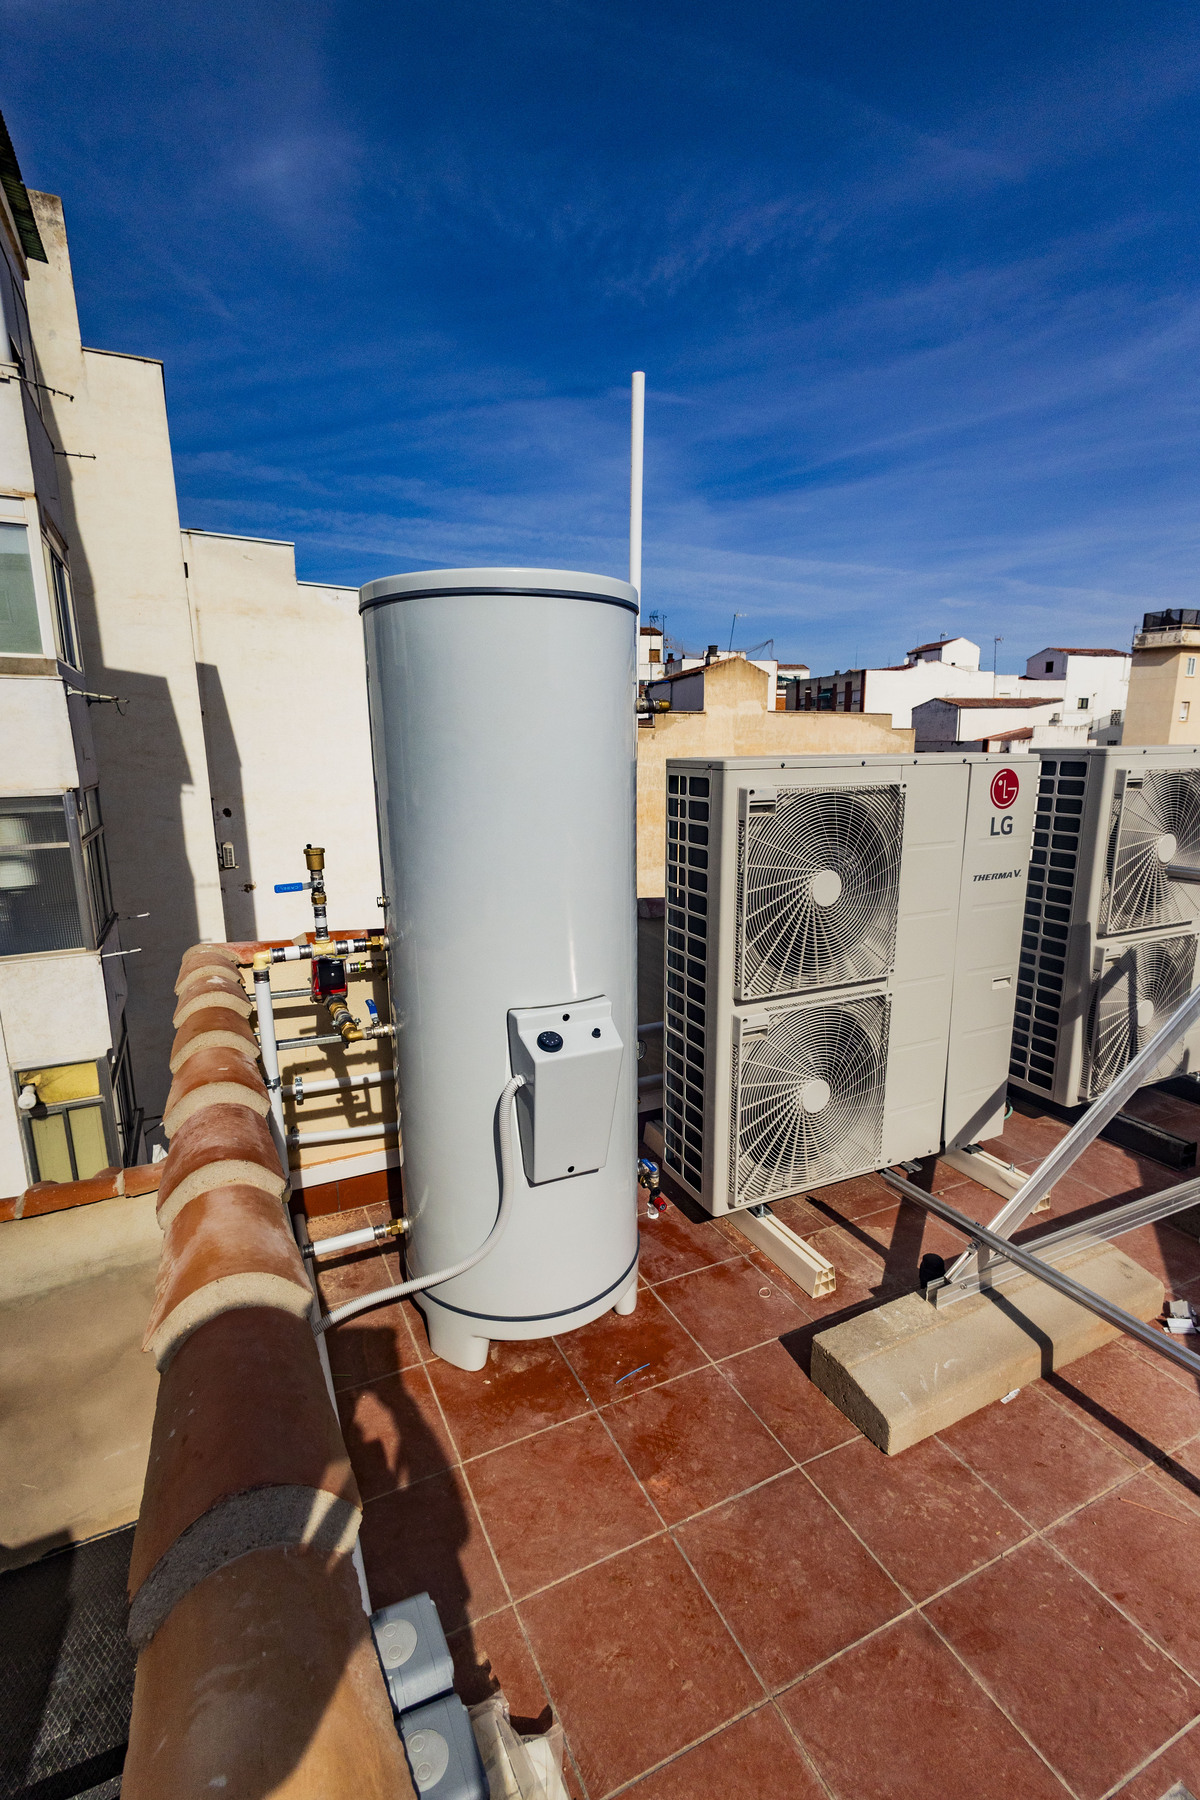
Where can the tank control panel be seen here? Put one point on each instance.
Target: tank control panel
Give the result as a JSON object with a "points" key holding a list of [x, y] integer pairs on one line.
{"points": [[570, 1056]]}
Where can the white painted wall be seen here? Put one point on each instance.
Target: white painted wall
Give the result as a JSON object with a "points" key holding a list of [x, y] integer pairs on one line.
{"points": [[37, 752], [122, 525], [283, 679], [939, 725]]}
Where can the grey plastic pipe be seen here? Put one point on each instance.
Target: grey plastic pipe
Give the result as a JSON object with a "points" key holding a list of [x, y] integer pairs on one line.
{"points": [[381, 1298]]}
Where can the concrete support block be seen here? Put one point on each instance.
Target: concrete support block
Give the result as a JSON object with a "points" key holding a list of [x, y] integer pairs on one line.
{"points": [[909, 1369]]}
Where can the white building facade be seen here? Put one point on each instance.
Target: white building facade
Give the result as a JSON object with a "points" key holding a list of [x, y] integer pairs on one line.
{"points": [[67, 1103]]}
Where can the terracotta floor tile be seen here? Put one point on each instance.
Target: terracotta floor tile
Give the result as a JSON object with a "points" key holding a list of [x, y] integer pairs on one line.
{"points": [[429, 1539], [673, 1245], [793, 1582], [394, 1432], [375, 1343], [1181, 1763], [492, 1656], [850, 1199], [861, 1266], [1181, 1472], [1170, 1111], [801, 1214], [1118, 1172], [693, 1442], [637, 1662], [898, 1718], [1084, 1684], [756, 1759], [1141, 1547], [731, 1307], [356, 1273], [608, 1355], [1028, 1137], [777, 1389], [1132, 1401], [525, 1386], [558, 1501], [924, 1514], [420, 1331], [1037, 1454], [905, 1233], [1170, 1254]]}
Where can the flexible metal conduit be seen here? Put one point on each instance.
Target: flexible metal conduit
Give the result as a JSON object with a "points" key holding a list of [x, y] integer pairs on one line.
{"points": [[506, 1106]]}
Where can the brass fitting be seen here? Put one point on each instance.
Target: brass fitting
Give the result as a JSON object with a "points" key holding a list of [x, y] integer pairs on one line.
{"points": [[314, 856], [344, 1021]]}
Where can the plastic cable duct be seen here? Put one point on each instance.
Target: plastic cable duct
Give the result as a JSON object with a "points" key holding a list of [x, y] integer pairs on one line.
{"points": [[340, 1314]]}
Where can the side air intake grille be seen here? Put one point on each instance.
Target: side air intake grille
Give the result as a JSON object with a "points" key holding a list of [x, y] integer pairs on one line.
{"points": [[685, 1001], [1134, 998], [1052, 874], [810, 1097], [819, 879], [1156, 821]]}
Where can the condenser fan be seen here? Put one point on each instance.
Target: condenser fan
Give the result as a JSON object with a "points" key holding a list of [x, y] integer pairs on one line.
{"points": [[1158, 824], [810, 1103], [820, 878], [1135, 997]]}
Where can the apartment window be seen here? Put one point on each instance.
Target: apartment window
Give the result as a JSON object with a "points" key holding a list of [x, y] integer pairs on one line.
{"points": [[66, 1121], [1083, 703], [20, 632], [65, 636], [1191, 666], [1049, 668], [95, 863], [1185, 707], [39, 895]]}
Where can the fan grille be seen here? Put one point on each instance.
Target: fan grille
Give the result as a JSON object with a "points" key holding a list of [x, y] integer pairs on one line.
{"points": [[810, 1098], [818, 893], [1157, 823], [1133, 999]]}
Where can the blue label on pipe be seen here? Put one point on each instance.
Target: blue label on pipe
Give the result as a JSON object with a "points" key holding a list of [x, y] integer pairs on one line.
{"points": [[289, 887]]}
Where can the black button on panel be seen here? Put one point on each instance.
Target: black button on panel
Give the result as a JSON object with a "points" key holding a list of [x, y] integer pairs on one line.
{"points": [[549, 1040]]}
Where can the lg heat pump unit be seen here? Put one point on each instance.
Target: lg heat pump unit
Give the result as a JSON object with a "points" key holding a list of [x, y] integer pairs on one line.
{"points": [[842, 941], [1110, 941]]}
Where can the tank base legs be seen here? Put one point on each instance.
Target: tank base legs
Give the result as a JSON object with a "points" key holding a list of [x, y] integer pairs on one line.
{"points": [[453, 1340], [628, 1301]]}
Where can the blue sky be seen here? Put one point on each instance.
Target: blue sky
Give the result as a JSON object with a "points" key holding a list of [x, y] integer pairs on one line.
{"points": [[915, 287]]}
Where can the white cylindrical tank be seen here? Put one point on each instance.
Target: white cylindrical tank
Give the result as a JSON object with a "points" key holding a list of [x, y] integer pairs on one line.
{"points": [[503, 735]]}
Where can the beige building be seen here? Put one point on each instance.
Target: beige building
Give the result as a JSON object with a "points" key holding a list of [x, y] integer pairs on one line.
{"points": [[731, 712], [1164, 688]]}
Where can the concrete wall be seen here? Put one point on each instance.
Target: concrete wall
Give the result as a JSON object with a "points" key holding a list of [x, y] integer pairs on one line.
{"points": [[283, 683], [1158, 686], [736, 722], [939, 725], [122, 526]]}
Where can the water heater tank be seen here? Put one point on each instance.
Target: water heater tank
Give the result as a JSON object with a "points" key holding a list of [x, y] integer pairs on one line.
{"points": [[503, 735]]}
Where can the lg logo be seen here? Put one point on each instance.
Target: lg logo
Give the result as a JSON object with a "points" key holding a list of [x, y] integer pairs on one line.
{"points": [[1005, 788]]}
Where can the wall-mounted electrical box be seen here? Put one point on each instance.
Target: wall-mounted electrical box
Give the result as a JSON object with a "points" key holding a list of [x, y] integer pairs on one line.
{"points": [[570, 1056]]}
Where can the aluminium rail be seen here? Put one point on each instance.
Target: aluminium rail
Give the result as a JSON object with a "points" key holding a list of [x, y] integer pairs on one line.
{"points": [[971, 1269], [1158, 1341]]}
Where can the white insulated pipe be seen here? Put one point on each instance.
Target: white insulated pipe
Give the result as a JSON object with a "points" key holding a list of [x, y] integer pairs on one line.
{"points": [[269, 1050], [636, 444], [301, 1088], [379, 1129]]}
